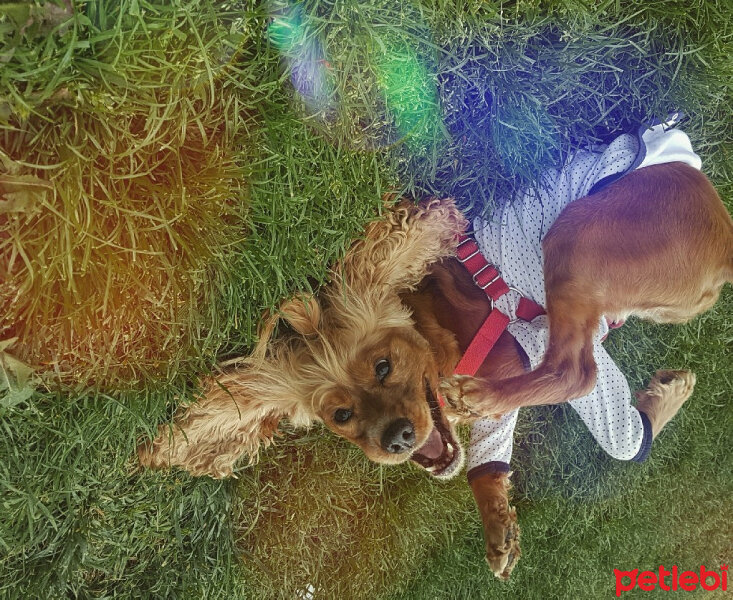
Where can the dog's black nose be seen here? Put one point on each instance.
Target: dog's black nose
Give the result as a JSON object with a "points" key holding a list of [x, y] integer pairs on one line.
{"points": [[399, 437]]}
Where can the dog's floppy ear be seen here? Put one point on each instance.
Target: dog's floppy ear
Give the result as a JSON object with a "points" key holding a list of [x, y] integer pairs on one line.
{"points": [[397, 250], [239, 410], [237, 413], [302, 312]]}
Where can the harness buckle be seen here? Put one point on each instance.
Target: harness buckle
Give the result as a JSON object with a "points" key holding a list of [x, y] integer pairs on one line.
{"points": [[483, 287], [521, 295], [468, 240]]}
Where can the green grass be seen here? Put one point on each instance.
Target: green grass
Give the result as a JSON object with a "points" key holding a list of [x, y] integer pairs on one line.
{"points": [[161, 184]]}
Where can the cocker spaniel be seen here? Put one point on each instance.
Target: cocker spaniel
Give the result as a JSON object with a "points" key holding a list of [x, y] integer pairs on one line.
{"points": [[373, 355]]}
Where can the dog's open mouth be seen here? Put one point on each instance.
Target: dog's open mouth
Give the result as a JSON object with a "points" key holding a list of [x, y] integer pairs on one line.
{"points": [[441, 455]]}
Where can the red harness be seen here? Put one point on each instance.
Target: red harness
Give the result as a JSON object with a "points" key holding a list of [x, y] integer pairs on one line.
{"points": [[487, 277]]}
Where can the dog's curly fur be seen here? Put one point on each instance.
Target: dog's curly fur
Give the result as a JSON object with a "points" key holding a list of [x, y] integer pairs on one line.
{"points": [[367, 355], [296, 375]]}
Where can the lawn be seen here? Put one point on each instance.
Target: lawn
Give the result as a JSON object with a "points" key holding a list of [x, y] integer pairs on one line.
{"points": [[171, 168]]}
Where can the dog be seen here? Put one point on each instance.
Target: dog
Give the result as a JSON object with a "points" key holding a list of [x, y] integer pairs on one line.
{"points": [[373, 355], [351, 358]]}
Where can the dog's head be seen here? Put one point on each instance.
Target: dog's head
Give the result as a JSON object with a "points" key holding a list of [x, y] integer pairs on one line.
{"points": [[387, 404], [354, 360], [378, 375]]}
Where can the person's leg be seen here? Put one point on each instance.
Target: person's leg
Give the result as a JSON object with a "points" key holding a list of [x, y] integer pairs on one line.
{"points": [[624, 431]]}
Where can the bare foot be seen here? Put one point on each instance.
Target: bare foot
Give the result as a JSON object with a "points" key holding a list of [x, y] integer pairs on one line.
{"points": [[666, 393]]}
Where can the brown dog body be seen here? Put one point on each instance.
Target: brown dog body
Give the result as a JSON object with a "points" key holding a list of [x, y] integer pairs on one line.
{"points": [[366, 357], [657, 244]]}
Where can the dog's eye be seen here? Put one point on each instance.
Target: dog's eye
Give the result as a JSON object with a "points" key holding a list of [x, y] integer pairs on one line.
{"points": [[342, 415], [382, 369]]}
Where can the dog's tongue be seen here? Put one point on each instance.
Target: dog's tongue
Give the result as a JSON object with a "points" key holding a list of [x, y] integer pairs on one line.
{"points": [[433, 448]]}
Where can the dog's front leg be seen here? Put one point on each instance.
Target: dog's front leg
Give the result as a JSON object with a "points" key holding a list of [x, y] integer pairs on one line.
{"points": [[501, 531], [567, 371]]}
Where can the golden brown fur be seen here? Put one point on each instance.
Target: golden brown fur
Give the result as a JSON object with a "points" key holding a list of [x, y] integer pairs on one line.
{"points": [[326, 362], [658, 244], [501, 532]]}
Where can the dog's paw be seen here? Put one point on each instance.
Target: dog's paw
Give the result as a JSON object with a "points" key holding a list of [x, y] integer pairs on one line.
{"points": [[503, 550], [667, 391], [678, 384], [467, 398], [515, 551], [460, 393]]}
